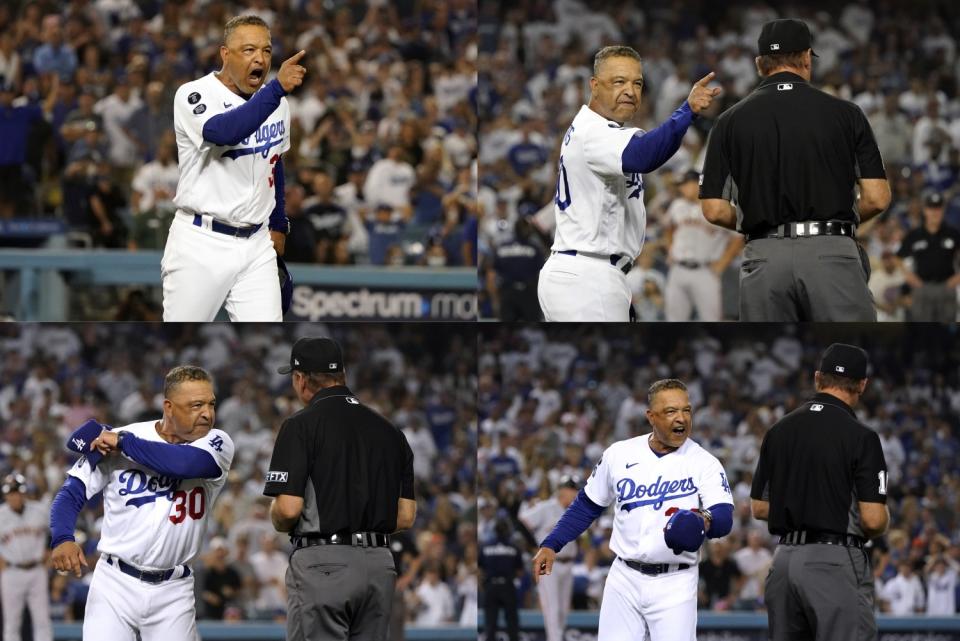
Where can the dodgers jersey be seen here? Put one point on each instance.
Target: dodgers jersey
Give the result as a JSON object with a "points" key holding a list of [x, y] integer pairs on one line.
{"points": [[644, 487], [23, 536], [598, 209], [232, 183], [149, 520]]}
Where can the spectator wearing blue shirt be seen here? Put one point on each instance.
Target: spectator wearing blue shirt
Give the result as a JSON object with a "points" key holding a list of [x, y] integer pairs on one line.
{"points": [[384, 231], [16, 123], [526, 154], [54, 56]]}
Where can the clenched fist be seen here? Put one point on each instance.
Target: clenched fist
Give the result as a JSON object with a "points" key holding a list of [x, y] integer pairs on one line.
{"points": [[68, 557], [291, 74], [701, 95]]}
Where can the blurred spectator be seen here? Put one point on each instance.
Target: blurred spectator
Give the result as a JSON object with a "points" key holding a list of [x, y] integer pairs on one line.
{"points": [[888, 284], [753, 561], [385, 229], [390, 180], [151, 202], [941, 575], [54, 55], [270, 568], [720, 578], [220, 584], [903, 594], [434, 599], [329, 220]]}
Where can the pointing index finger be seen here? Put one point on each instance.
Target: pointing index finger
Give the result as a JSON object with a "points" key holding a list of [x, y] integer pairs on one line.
{"points": [[703, 82], [295, 58]]}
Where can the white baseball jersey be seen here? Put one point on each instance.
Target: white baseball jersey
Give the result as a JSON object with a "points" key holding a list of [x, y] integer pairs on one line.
{"points": [[644, 487], [23, 536], [235, 183], [542, 517], [694, 239], [152, 521], [598, 208]]}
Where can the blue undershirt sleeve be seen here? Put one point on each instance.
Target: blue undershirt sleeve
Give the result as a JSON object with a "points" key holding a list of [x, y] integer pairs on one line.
{"points": [[65, 509], [722, 521], [647, 152], [175, 461], [574, 522], [230, 127], [278, 218]]}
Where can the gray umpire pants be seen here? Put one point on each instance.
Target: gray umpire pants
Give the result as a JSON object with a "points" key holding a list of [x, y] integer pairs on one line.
{"points": [[934, 302], [338, 592], [820, 278], [820, 592]]}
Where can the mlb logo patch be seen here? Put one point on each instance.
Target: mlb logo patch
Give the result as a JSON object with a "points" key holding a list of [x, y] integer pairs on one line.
{"points": [[816, 407], [277, 477], [840, 369], [785, 86], [332, 365], [775, 47], [352, 400]]}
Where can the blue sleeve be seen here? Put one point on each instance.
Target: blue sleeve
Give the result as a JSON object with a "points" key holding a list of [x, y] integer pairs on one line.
{"points": [[574, 522], [645, 153], [65, 509], [230, 127], [278, 218], [722, 521], [176, 461]]}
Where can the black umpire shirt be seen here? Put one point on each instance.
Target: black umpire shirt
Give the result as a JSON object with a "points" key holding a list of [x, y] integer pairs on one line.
{"points": [[789, 153], [815, 464], [934, 255], [350, 465]]}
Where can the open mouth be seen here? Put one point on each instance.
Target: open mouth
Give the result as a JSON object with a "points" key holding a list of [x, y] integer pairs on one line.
{"points": [[679, 431], [255, 76]]}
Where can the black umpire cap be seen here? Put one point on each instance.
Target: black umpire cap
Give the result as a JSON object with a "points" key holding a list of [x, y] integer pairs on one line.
{"points": [[315, 355], [784, 36], [848, 361]]}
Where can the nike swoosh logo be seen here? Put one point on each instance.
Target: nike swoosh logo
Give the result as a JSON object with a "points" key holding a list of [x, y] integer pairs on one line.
{"points": [[629, 465], [227, 105]]}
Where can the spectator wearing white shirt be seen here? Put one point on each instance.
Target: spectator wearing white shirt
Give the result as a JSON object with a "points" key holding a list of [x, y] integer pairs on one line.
{"points": [[154, 186], [117, 110], [941, 586], [390, 180], [270, 568], [903, 594], [435, 599], [753, 562]]}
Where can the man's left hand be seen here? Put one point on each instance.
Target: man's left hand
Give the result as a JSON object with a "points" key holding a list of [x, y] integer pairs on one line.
{"points": [[701, 95], [279, 241], [106, 442]]}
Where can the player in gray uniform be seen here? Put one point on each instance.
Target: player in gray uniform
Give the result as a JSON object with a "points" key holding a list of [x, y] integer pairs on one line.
{"points": [[23, 580], [554, 593]]}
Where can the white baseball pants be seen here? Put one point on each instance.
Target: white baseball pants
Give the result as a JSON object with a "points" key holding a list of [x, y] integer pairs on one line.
{"points": [[582, 288], [635, 604], [688, 289], [203, 270], [119, 605], [19, 587]]}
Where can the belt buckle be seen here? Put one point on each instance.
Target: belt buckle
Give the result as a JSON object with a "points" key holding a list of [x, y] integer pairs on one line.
{"points": [[814, 228], [361, 541]]}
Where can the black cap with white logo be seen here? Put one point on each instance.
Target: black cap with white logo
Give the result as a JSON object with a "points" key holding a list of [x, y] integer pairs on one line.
{"points": [[310, 355], [784, 36], [844, 360]]}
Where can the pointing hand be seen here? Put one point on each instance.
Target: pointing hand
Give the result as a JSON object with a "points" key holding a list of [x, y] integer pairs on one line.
{"points": [[701, 95], [291, 73]]}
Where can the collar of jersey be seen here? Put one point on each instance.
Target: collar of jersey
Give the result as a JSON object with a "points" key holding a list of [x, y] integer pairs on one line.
{"points": [[602, 119], [328, 392], [783, 76], [830, 399]]}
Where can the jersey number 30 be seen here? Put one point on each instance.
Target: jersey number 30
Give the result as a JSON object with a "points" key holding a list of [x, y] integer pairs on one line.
{"points": [[562, 199], [193, 503]]}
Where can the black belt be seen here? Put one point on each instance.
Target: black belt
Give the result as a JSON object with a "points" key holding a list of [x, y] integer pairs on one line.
{"points": [[357, 539], [157, 576], [805, 537], [653, 569], [229, 230], [690, 264], [25, 566], [805, 228], [613, 258]]}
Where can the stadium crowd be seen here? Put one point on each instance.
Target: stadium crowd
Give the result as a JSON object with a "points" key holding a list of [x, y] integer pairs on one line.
{"points": [[382, 168], [54, 377], [552, 399], [897, 61]]}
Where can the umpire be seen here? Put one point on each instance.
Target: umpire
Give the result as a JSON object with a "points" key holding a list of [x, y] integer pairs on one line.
{"points": [[781, 167], [821, 484], [933, 248], [501, 561], [342, 478]]}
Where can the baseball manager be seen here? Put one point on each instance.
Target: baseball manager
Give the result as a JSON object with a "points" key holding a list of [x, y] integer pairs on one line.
{"points": [[821, 484], [781, 167]]}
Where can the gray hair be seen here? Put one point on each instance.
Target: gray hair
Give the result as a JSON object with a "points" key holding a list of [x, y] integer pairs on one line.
{"points": [[183, 374], [664, 384], [240, 21], [614, 51]]}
